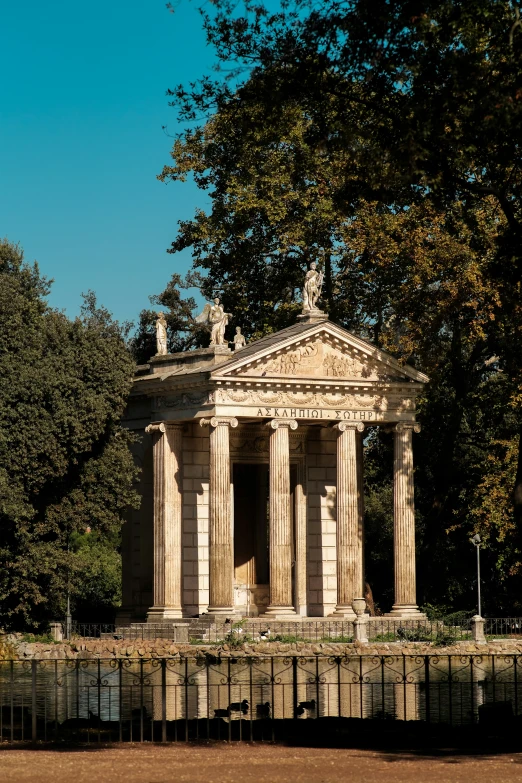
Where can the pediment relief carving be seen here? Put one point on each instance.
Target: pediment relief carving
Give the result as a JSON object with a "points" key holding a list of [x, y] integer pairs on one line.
{"points": [[317, 359]]}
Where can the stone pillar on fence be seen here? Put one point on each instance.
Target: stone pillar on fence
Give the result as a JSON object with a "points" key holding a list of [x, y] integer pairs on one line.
{"points": [[477, 629], [56, 631], [360, 629]]}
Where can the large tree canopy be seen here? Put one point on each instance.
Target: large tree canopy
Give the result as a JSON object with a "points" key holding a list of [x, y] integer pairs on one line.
{"points": [[381, 140], [65, 463]]}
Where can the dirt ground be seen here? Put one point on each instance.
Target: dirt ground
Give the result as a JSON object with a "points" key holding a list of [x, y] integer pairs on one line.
{"points": [[245, 763]]}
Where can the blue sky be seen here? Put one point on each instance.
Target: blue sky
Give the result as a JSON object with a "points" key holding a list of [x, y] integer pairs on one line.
{"points": [[82, 105]]}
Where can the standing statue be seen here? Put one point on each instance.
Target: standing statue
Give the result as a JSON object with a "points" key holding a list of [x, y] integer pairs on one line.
{"points": [[161, 335], [215, 318], [239, 339], [312, 288]]}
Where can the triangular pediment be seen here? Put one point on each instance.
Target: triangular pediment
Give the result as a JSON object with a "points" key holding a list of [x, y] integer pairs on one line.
{"points": [[322, 351]]}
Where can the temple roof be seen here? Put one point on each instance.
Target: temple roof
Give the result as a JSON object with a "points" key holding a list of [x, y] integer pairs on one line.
{"points": [[334, 352]]}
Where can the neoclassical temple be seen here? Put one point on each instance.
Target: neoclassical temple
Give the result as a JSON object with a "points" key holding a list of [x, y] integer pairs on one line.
{"points": [[252, 474]]}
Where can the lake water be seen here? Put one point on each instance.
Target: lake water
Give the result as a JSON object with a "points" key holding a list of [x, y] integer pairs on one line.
{"points": [[40, 695]]}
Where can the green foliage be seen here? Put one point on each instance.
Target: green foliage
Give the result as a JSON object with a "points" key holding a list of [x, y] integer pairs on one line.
{"points": [[42, 638], [182, 330], [95, 575], [65, 463], [382, 142]]}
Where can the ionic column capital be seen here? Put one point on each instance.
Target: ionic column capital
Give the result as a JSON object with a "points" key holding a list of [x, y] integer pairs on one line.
{"points": [[342, 426], [275, 424], [217, 421], [402, 426], [156, 429], [160, 427]]}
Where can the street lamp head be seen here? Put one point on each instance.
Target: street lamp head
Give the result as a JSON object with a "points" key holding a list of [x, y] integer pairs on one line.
{"points": [[476, 539]]}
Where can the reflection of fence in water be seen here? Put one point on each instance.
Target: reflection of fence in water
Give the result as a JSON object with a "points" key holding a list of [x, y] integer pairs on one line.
{"points": [[138, 694]]}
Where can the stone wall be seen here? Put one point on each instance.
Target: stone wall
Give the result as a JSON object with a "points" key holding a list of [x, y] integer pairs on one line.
{"points": [[321, 485], [161, 648], [196, 466]]}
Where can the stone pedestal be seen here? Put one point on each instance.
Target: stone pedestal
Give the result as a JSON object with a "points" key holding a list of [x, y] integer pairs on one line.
{"points": [[360, 629], [404, 524], [56, 631], [349, 520], [221, 551], [477, 629], [281, 599], [167, 456]]}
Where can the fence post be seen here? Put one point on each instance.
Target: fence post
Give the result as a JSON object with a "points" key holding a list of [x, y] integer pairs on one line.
{"points": [[33, 700], [477, 629], [56, 631], [163, 700], [360, 629]]}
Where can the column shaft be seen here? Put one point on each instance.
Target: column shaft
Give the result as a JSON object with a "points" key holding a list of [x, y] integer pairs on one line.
{"points": [[221, 552], [281, 599], [168, 500], [360, 491], [404, 522], [349, 521]]}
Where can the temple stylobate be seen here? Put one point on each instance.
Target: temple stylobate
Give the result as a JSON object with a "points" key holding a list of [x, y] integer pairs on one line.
{"points": [[252, 475]]}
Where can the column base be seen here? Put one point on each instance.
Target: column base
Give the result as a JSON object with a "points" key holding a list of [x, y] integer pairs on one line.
{"points": [[157, 614], [281, 613], [221, 612], [406, 612], [343, 612]]}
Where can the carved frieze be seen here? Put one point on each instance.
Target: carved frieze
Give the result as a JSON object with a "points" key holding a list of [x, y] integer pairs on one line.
{"points": [[186, 400], [313, 399], [251, 397]]}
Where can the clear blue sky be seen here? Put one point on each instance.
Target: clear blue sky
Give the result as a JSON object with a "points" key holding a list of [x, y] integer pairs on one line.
{"points": [[82, 104]]}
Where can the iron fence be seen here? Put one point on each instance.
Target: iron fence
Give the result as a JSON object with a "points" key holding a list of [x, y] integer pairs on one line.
{"points": [[510, 627], [251, 698], [92, 630], [380, 629]]}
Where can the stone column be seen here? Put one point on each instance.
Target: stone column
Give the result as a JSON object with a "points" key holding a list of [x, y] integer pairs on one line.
{"points": [[280, 545], [404, 523], [349, 519], [168, 500], [359, 435], [221, 550]]}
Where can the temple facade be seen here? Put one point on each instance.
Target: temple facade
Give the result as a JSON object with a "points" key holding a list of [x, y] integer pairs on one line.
{"points": [[252, 476]]}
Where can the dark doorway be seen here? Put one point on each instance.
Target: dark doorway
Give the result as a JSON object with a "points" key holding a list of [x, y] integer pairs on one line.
{"points": [[251, 524]]}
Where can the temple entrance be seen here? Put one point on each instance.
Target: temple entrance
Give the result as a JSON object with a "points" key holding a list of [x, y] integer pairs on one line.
{"points": [[251, 537]]}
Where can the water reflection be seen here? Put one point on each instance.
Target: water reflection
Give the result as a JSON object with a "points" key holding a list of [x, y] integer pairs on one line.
{"points": [[137, 693]]}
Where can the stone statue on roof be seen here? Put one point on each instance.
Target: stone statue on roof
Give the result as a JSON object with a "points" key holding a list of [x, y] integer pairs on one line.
{"points": [[239, 339], [215, 319], [161, 335], [313, 284]]}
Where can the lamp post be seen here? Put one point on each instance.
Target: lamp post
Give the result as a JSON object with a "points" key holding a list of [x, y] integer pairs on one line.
{"points": [[68, 617], [476, 542]]}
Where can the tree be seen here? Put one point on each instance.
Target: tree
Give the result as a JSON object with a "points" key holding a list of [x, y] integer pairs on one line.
{"points": [[65, 462], [424, 99], [380, 140]]}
